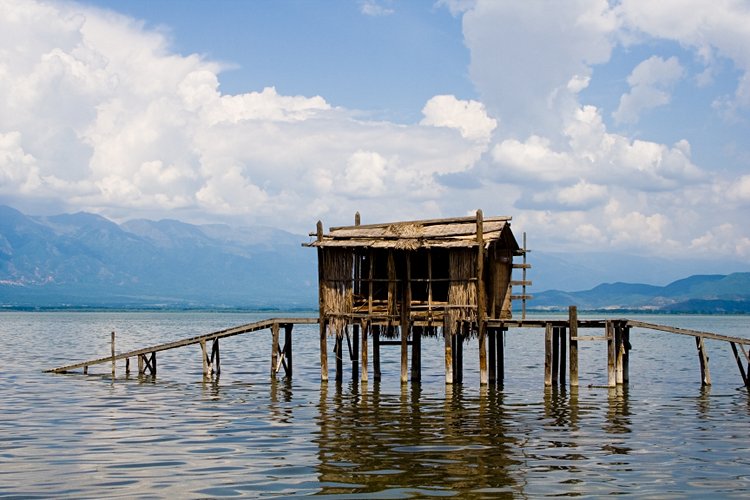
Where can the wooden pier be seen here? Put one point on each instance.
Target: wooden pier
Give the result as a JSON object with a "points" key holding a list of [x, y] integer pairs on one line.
{"points": [[560, 357], [396, 282]]}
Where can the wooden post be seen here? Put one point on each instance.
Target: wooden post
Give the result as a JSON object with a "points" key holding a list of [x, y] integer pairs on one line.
{"points": [[113, 354], [288, 348], [321, 303], [492, 338], [405, 321], [448, 341], [355, 349], [620, 349], [416, 353], [573, 340], [562, 338], [500, 345], [548, 354], [703, 358], [555, 355], [365, 330], [274, 348], [140, 364], [215, 357], [611, 354], [376, 353], [204, 356], [127, 366], [626, 355], [740, 365], [338, 349], [481, 302]]}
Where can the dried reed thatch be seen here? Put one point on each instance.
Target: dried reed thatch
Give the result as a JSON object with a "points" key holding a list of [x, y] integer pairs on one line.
{"points": [[337, 294], [462, 290]]}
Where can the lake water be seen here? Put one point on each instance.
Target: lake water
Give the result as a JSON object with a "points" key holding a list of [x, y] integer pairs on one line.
{"points": [[245, 435]]}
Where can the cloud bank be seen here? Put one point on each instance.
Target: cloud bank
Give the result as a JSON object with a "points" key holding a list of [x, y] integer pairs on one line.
{"points": [[99, 114]]}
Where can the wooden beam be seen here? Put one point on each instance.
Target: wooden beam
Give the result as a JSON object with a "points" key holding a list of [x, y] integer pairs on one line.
{"points": [[555, 355], [113, 354], [562, 340], [376, 352], [365, 330]]}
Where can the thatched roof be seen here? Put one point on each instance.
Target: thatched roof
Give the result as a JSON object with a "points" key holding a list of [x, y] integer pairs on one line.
{"points": [[411, 235]]}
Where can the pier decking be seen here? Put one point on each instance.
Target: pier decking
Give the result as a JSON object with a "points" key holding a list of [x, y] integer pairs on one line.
{"points": [[560, 349]]}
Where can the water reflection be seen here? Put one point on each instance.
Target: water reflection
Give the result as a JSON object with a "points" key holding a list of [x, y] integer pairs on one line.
{"points": [[451, 444]]}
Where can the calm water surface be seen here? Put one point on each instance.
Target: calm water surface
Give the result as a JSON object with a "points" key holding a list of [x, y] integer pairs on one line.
{"points": [[245, 435]]}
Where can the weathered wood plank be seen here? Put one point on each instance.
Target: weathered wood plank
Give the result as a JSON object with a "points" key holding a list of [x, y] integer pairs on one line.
{"points": [[686, 331]]}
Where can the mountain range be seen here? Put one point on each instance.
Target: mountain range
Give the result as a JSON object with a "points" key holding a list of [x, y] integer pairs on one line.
{"points": [[84, 260]]}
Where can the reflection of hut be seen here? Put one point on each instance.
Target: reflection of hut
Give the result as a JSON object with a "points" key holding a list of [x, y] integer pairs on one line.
{"points": [[411, 278]]}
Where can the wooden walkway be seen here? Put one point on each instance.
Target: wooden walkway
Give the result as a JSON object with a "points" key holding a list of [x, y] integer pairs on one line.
{"points": [[560, 349], [211, 362]]}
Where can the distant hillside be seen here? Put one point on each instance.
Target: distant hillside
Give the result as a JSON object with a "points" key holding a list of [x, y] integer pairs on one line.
{"points": [[713, 293], [86, 260]]}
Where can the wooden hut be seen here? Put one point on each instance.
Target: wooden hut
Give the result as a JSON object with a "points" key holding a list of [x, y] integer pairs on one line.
{"points": [[408, 279]]}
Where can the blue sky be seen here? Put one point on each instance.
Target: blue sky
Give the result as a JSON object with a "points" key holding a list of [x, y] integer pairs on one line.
{"points": [[620, 126]]}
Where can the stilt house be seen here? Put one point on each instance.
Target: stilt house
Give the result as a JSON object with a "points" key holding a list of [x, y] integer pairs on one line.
{"points": [[414, 277]]}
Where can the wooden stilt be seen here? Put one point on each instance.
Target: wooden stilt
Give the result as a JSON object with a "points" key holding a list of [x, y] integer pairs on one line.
{"points": [[404, 351], [481, 302], [376, 353], [355, 352], [555, 355], [338, 349], [448, 342], [573, 341], [626, 355], [85, 370], [140, 364], [620, 350], [500, 357], [703, 358], [205, 358], [321, 303], [288, 348], [459, 356], [492, 352], [323, 351], [611, 354], [215, 358], [562, 353], [113, 354], [274, 348], [740, 364], [548, 355], [365, 331], [127, 366], [416, 352]]}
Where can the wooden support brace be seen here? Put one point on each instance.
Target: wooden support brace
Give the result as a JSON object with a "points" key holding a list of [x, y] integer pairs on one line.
{"points": [[288, 349], [740, 364], [215, 358], [274, 348], [703, 359]]}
